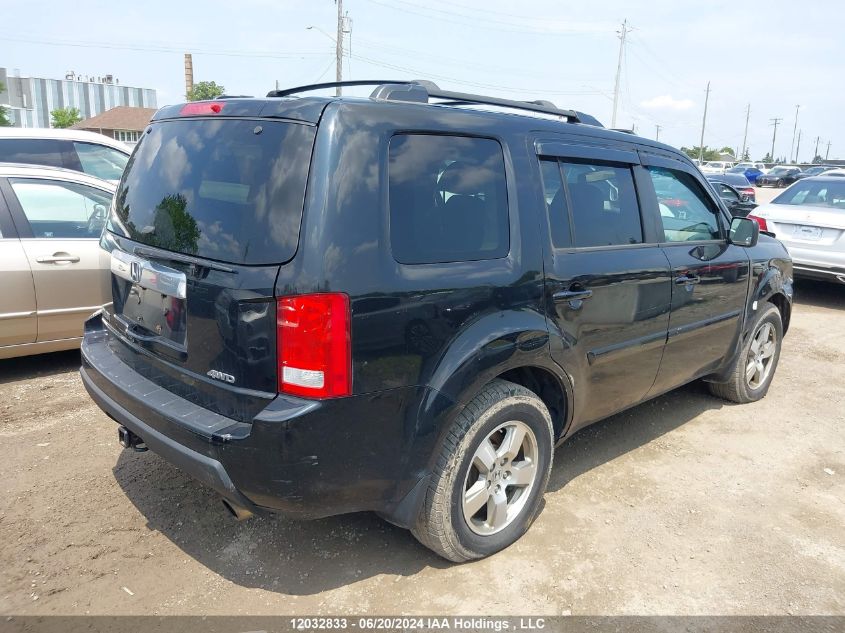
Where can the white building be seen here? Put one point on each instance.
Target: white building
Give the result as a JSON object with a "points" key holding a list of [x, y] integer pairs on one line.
{"points": [[29, 100]]}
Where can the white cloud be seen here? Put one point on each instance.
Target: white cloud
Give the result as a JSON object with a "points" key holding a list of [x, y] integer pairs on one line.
{"points": [[667, 102]]}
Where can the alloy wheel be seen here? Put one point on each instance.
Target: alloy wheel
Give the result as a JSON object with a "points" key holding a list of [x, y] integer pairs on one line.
{"points": [[501, 476], [761, 355]]}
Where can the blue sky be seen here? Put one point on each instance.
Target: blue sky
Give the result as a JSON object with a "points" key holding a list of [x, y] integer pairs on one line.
{"points": [[773, 55]]}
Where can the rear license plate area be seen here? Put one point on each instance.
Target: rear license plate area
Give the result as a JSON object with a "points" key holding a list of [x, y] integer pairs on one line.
{"points": [[812, 233]]}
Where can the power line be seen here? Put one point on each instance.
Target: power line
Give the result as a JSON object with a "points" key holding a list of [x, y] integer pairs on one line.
{"points": [[475, 20], [155, 48]]}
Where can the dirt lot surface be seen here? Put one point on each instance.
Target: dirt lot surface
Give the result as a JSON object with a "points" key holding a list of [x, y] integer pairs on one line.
{"points": [[683, 505]]}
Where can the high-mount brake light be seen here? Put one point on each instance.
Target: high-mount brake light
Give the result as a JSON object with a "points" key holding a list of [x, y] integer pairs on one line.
{"points": [[314, 345], [201, 107]]}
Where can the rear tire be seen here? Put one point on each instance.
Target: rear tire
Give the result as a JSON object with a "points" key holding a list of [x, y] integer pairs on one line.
{"points": [[490, 476], [757, 361]]}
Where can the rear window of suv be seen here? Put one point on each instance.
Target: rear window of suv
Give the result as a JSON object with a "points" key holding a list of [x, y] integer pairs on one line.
{"points": [[225, 189]]}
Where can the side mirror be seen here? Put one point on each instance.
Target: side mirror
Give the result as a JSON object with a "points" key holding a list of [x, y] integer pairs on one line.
{"points": [[744, 232]]}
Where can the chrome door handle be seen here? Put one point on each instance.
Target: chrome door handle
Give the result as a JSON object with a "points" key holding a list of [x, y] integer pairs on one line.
{"points": [[683, 280], [58, 258], [572, 295]]}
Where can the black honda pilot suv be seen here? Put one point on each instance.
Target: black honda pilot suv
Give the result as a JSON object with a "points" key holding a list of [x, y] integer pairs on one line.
{"points": [[403, 303]]}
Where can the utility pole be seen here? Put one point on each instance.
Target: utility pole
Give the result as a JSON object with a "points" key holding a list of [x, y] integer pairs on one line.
{"points": [[774, 122], [745, 135], [816, 153], [827, 155], [657, 132], [339, 47], [794, 129], [798, 146], [623, 34], [703, 123]]}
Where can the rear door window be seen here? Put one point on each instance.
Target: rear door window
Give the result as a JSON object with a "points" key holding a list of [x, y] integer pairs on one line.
{"points": [[225, 189], [448, 199], [605, 211], [62, 210]]}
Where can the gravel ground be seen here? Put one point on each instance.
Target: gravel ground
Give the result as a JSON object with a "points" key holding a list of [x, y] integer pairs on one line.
{"points": [[683, 505]]}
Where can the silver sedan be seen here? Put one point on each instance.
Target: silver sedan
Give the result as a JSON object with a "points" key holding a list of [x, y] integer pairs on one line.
{"points": [[809, 218], [54, 275]]}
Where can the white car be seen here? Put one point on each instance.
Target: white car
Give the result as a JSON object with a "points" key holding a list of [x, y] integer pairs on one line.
{"points": [[809, 218], [54, 273], [716, 167], [88, 152]]}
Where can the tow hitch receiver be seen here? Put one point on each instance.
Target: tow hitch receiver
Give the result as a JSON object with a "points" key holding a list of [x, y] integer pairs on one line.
{"points": [[128, 439]]}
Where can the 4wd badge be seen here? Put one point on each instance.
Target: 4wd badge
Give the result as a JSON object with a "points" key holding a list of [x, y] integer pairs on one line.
{"points": [[219, 375]]}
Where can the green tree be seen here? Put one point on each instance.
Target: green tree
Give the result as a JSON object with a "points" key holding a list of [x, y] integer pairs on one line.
{"points": [[746, 155], [203, 90], [175, 228], [693, 152], [4, 113], [727, 150], [64, 117], [767, 158], [817, 159]]}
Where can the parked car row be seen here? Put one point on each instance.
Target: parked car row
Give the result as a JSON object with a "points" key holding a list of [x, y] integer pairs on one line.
{"points": [[758, 175]]}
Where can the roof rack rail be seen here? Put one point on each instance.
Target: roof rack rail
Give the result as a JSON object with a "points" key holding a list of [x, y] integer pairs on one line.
{"points": [[421, 91]]}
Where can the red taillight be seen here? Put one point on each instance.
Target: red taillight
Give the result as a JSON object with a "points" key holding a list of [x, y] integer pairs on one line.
{"points": [[201, 107], [760, 221], [314, 345], [748, 191]]}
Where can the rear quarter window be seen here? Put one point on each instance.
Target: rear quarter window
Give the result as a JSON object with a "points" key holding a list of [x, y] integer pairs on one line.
{"points": [[447, 198]]}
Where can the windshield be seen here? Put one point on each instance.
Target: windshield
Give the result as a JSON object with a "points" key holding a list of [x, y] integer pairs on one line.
{"points": [[779, 170], [230, 190], [815, 193]]}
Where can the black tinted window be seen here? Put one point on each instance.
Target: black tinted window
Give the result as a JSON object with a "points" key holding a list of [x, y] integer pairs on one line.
{"points": [[448, 199], [605, 211], [230, 190], [31, 151], [555, 196]]}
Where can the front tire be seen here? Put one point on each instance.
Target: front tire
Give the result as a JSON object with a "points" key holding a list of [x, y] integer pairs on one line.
{"points": [[490, 475], [755, 367]]}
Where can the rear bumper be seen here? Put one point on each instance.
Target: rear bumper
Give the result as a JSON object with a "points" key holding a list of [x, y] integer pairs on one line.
{"points": [[302, 458], [818, 272], [201, 467], [817, 264]]}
